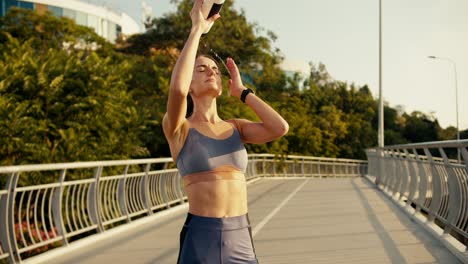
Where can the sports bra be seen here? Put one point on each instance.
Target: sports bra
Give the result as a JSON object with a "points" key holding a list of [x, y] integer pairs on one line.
{"points": [[201, 153]]}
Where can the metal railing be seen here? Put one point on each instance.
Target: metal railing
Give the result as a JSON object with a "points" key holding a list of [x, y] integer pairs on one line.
{"points": [[70, 201], [424, 177]]}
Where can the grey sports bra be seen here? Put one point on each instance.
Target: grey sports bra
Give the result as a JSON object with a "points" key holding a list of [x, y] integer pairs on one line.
{"points": [[201, 153]]}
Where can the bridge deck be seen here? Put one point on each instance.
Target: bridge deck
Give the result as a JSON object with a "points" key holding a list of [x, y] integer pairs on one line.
{"points": [[294, 221]]}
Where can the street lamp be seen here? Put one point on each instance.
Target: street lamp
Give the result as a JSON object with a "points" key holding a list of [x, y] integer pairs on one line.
{"points": [[381, 106], [456, 94]]}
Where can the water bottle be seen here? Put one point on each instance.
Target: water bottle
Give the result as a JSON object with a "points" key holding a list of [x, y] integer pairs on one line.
{"points": [[211, 8]]}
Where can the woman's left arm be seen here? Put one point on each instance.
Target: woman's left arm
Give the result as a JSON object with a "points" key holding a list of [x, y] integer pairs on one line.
{"points": [[272, 125]]}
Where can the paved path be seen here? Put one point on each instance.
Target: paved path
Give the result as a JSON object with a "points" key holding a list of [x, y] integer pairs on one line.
{"points": [[294, 221]]}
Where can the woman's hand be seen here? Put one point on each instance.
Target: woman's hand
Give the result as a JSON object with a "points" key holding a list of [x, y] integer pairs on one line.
{"points": [[235, 83], [198, 21]]}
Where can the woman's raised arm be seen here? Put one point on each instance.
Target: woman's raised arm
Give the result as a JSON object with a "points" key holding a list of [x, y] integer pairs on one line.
{"points": [[182, 72], [273, 124]]}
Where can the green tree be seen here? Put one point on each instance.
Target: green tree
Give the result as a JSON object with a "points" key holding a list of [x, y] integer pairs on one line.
{"points": [[63, 105]]}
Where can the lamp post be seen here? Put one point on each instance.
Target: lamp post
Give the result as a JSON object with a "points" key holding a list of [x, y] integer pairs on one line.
{"points": [[380, 131], [381, 106], [456, 94]]}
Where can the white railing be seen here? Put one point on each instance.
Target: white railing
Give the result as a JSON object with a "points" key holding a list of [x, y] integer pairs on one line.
{"points": [[70, 201], [422, 176]]}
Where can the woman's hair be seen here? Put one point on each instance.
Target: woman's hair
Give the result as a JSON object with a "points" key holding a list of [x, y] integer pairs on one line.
{"points": [[189, 98]]}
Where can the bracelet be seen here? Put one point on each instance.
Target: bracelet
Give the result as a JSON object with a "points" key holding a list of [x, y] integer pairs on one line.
{"points": [[245, 93]]}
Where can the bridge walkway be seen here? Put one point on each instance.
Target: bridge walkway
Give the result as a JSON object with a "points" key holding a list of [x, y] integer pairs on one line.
{"points": [[308, 220]]}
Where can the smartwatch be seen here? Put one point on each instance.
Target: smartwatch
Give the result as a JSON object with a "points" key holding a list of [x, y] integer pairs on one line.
{"points": [[245, 93]]}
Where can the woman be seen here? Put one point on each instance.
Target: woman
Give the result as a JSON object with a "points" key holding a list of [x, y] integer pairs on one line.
{"points": [[210, 154]]}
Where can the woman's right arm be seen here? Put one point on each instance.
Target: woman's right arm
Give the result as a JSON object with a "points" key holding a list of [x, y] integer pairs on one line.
{"points": [[182, 73]]}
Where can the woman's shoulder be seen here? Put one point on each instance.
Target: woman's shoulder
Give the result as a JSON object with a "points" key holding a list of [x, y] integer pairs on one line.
{"points": [[178, 136]]}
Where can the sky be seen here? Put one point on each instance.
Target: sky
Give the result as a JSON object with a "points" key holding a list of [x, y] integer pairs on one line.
{"points": [[344, 34]]}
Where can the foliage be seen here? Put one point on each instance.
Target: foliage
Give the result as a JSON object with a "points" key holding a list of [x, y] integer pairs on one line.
{"points": [[61, 105], [68, 95]]}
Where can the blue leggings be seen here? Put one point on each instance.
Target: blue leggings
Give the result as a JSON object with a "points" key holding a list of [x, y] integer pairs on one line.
{"points": [[209, 240]]}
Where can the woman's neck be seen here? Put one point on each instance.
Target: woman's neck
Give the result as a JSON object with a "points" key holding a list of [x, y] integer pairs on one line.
{"points": [[205, 111]]}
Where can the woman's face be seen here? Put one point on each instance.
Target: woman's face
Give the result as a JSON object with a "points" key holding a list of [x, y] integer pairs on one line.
{"points": [[206, 78]]}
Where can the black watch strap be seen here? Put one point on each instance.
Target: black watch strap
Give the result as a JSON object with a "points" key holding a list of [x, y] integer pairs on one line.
{"points": [[245, 93]]}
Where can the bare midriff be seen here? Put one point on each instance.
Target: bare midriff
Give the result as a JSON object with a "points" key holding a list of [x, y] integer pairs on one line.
{"points": [[221, 192]]}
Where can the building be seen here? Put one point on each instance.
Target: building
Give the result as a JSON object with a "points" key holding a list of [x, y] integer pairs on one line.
{"points": [[107, 23], [291, 68]]}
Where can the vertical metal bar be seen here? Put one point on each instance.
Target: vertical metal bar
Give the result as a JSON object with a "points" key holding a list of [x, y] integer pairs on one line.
{"points": [[51, 215], [413, 177], [436, 187], [162, 189], [44, 227], [122, 194], [385, 169], [67, 209], [274, 166], [377, 168], [7, 236], [36, 227], [263, 167], [28, 217], [405, 173], [180, 195], [11, 203], [94, 198], [84, 209], [319, 169], [46, 231], [57, 208], [104, 192], [454, 188], [444, 184], [79, 211], [131, 194], [73, 206], [423, 182], [145, 190], [333, 168], [115, 202], [19, 220], [347, 166]]}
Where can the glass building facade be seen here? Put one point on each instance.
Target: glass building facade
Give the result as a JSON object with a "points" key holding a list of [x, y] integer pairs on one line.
{"points": [[103, 27]]}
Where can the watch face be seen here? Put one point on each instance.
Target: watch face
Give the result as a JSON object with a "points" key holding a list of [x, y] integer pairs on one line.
{"points": [[215, 9]]}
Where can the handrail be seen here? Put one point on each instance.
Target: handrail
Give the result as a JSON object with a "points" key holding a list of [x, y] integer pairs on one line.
{"points": [[424, 177], [432, 144], [75, 200]]}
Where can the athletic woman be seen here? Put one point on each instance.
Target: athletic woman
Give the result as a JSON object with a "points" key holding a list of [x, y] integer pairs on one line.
{"points": [[210, 153]]}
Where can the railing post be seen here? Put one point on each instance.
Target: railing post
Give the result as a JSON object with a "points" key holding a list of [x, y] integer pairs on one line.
{"points": [[333, 168], [379, 159], [436, 187], [7, 224], [413, 177], [122, 189], [274, 167], [263, 167], [144, 190], [293, 163], [403, 158], [423, 182], [57, 208], [348, 164], [163, 190], [455, 201], [94, 200], [319, 171], [302, 167]]}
